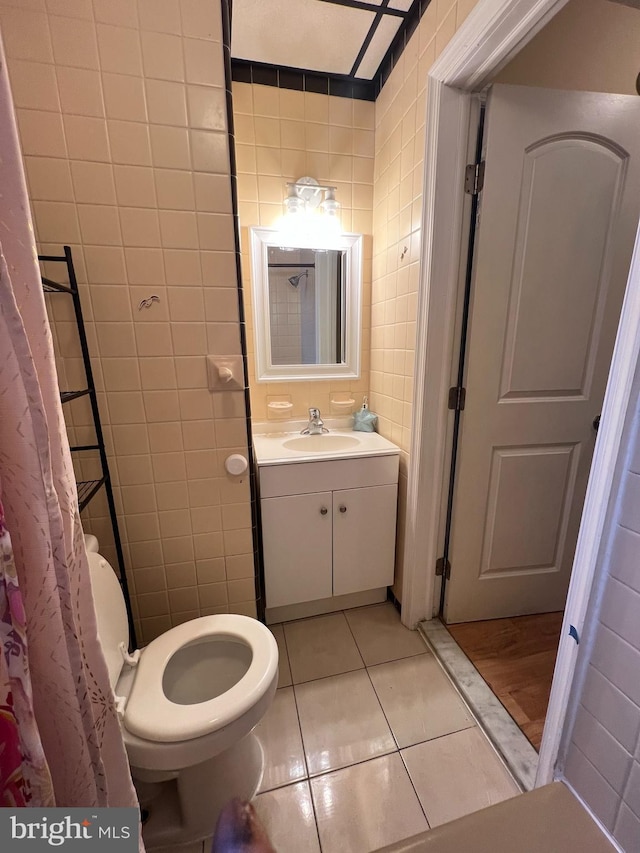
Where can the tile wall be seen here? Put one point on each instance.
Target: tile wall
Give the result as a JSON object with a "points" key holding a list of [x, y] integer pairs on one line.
{"points": [[602, 760], [282, 135], [397, 211], [122, 116]]}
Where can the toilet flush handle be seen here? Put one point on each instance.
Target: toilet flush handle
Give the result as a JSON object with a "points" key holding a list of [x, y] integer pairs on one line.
{"points": [[130, 660]]}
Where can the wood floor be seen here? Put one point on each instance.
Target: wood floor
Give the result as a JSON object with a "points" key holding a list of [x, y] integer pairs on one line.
{"points": [[516, 658]]}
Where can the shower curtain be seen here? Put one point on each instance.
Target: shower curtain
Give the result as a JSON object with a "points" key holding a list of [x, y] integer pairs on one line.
{"points": [[60, 739]]}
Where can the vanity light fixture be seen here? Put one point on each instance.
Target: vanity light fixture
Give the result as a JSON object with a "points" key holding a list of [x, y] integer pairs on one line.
{"points": [[311, 212]]}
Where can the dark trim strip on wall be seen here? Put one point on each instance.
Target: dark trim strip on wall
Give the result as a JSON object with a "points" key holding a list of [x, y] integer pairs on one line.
{"points": [[253, 484], [340, 85]]}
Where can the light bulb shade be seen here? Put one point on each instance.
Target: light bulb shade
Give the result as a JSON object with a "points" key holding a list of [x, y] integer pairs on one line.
{"points": [[301, 220], [293, 204]]}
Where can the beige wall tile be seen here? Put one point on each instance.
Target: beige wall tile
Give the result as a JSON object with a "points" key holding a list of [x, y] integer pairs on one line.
{"points": [[74, 42], [175, 189], [209, 151], [210, 570], [49, 179], [207, 107], [177, 549], [34, 85], [138, 498], [144, 266], [135, 186], [201, 19], [71, 8], [202, 65], [153, 339], [80, 91], [54, 220], [130, 143], [213, 193], [119, 12], [25, 34], [124, 97], [119, 49], [86, 138], [41, 133], [166, 103], [181, 574], [182, 267], [130, 439], [170, 147], [93, 182], [99, 224], [149, 580], [140, 227], [162, 55], [159, 15], [157, 374]]}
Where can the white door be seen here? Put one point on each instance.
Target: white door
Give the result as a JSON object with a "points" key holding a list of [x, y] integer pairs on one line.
{"points": [[558, 215], [296, 540]]}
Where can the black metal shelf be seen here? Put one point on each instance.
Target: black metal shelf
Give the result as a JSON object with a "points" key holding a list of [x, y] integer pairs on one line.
{"points": [[88, 489], [67, 396], [52, 286]]}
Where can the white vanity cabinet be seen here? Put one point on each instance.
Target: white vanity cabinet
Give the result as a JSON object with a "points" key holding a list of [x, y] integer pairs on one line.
{"points": [[328, 528]]}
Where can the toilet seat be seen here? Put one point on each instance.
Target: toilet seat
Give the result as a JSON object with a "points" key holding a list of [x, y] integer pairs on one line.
{"points": [[149, 714]]}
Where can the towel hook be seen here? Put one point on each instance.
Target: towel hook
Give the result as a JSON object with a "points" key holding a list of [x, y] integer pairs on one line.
{"points": [[148, 302]]}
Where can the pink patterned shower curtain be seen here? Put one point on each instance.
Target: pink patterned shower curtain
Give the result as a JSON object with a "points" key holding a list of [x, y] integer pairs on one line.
{"points": [[60, 740]]}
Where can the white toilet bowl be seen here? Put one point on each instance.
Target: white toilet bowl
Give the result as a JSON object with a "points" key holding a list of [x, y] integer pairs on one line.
{"points": [[187, 704]]}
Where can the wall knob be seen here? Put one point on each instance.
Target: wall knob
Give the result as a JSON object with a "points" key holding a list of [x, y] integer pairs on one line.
{"points": [[343, 508], [324, 510], [236, 464]]}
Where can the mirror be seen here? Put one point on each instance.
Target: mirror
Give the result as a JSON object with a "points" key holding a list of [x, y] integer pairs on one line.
{"points": [[307, 306]]}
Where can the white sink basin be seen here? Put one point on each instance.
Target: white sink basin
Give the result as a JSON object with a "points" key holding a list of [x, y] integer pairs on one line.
{"points": [[326, 443], [276, 447]]}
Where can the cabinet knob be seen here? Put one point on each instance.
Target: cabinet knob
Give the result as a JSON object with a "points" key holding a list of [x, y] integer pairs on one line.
{"points": [[343, 508], [324, 510]]}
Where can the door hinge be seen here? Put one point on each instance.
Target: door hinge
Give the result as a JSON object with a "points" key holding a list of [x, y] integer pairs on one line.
{"points": [[474, 178], [457, 397], [443, 567]]}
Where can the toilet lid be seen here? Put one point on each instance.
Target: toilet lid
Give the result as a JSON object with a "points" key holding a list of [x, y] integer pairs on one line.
{"points": [[151, 715], [111, 613]]}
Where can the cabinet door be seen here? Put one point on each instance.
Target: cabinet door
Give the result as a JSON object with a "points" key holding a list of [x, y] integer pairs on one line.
{"points": [[296, 536], [364, 538]]}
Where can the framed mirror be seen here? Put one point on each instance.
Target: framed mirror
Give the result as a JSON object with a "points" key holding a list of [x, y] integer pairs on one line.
{"points": [[307, 306]]}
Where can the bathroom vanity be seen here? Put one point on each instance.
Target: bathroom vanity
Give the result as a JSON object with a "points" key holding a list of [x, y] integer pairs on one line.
{"points": [[328, 505]]}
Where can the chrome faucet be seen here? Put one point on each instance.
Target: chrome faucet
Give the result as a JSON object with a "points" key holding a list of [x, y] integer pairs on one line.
{"points": [[316, 424]]}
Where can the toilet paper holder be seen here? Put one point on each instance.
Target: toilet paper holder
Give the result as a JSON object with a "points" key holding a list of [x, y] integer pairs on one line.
{"points": [[225, 372]]}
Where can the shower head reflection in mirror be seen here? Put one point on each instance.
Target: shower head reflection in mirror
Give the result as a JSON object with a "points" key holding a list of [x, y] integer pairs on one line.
{"points": [[307, 306]]}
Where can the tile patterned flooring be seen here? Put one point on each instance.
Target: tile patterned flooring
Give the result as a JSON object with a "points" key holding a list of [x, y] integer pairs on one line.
{"points": [[367, 742]]}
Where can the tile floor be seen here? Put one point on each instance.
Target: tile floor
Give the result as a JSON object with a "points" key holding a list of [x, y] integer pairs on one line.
{"points": [[367, 742]]}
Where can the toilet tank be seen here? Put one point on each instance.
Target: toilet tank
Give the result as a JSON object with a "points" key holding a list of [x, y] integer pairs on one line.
{"points": [[111, 613]]}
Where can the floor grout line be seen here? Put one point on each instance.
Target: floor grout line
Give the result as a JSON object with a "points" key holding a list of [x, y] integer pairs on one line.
{"points": [[304, 751]]}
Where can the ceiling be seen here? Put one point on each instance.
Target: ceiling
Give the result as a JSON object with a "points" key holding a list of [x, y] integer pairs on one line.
{"points": [[346, 39]]}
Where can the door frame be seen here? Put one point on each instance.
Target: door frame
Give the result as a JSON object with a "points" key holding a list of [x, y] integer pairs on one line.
{"points": [[493, 33]]}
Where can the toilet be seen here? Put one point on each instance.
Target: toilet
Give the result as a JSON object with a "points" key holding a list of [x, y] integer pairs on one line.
{"points": [[187, 704]]}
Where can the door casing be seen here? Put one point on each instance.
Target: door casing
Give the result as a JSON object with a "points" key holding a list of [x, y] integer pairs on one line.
{"points": [[491, 36]]}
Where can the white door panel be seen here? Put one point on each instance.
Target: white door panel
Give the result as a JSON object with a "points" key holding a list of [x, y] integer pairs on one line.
{"points": [[558, 211], [364, 537], [296, 540]]}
